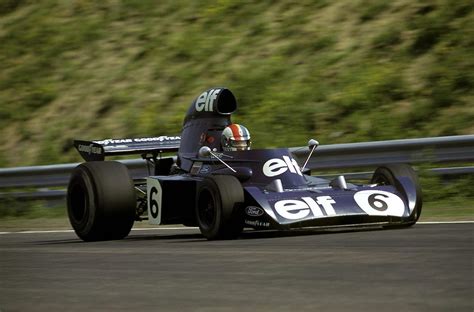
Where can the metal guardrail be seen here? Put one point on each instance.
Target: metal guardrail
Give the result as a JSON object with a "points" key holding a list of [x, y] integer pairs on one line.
{"points": [[370, 154], [335, 156], [48, 194], [54, 175]]}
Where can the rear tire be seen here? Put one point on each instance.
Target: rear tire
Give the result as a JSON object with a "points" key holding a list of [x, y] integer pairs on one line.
{"points": [[399, 175], [101, 201], [217, 207]]}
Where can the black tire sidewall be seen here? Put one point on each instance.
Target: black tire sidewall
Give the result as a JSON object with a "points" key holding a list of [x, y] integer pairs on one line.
{"points": [[208, 188], [226, 193], [384, 174], [80, 179], [110, 200], [391, 174]]}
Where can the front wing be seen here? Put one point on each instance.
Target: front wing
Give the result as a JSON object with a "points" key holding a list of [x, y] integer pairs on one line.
{"points": [[326, 207]]}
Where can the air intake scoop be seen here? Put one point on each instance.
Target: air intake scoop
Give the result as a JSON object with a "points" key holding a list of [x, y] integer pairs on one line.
{"points": [[213, 102]]}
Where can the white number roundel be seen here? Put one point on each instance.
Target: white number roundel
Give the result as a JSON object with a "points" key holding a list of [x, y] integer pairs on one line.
{"points": [[380, 203]]}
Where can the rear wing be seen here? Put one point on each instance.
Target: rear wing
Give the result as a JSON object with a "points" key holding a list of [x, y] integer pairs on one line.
{"points": [[98, 150]]}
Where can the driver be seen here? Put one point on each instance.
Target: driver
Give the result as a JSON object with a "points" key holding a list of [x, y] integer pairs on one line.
{"points": [[235, 138]]}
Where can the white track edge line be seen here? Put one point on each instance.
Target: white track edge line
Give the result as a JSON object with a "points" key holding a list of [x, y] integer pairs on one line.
{"points": [[195, 228], [71, 231], [445, 222]]}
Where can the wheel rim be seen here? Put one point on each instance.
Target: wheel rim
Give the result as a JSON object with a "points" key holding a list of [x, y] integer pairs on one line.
{"points": [[207, 210]]}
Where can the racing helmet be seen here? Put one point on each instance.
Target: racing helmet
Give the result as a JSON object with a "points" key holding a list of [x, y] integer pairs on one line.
{"points": [[235, 138]]}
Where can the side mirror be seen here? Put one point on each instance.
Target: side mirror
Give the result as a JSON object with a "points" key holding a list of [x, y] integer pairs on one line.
{"points": [[313, 143], [204, 151]]}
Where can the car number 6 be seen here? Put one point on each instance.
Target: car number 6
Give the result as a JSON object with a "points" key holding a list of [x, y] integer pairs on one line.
{"points": [[377, 203], [380, 203], [153, 203]]}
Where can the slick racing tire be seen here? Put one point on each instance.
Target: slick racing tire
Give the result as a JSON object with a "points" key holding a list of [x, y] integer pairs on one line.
{"points": [[101, 201], [217, 202], [394, 175]]}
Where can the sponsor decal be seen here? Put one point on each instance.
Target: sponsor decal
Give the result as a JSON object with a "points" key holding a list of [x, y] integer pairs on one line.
{"points": [[114, 141], [157, 139], [205, 102], [257, 223], [210, 139], [205, 169], [253, 211], [380, 203], [138, 140], [277, 166], [90, 149], [295, 209]]}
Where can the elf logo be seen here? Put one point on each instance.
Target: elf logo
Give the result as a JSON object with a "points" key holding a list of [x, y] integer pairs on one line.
{"points": [[277, 166], [205, 102], [295, 209]]}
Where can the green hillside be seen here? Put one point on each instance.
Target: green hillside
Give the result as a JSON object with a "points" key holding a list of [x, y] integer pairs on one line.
{"points": [[337, 71]]}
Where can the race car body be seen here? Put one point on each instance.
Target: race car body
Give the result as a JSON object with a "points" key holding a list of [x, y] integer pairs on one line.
{"points": [[224, 191]]}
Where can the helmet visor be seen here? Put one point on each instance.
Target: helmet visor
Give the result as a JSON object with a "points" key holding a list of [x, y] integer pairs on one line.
{"points": [[240, 145]]}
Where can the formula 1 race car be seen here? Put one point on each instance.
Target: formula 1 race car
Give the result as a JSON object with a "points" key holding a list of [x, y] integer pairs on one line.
{"points": [[218, 183]]}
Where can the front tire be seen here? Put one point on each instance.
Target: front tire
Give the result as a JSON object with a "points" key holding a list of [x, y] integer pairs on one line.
{"points": [[101, 201], [405, 180], [217, 203]]}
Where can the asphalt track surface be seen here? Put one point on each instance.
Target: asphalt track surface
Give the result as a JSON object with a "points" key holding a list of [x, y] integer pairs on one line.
{"points": [[428, 267]]}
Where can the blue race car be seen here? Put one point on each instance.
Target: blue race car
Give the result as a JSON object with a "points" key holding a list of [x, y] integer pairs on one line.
{"points": [[217, 182]]}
